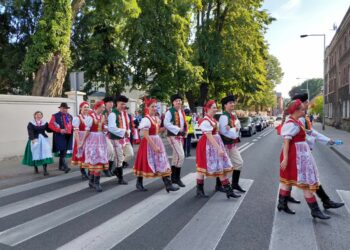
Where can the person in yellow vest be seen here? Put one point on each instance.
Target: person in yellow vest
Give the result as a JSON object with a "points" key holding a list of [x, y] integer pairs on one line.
{"points": [[190, 133]]}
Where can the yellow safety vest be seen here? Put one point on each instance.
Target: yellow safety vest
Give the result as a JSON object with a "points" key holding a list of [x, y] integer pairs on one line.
{"points": [[190, 125]]}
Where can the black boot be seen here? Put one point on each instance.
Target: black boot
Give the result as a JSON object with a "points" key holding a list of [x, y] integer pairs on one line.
{"points": [[168, 185], [111, 167], [229, 192], [178, 177], [97, 184], [60, 164], [91, 180], [173, 174], [327, 202], [36, 170], [200, 191], [125, 164], [316, 212], [283, 205], [107, 173], [45, 170], [292, 200], [139, 184], [119, 174], [84, 176], [218, 186], [66, 169], [235, 180]]}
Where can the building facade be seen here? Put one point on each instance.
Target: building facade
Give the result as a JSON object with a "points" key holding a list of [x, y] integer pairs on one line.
{"points": [[337, 75]]}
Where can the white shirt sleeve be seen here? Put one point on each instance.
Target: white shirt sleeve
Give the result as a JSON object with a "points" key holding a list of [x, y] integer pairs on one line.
{"points": [[231, 133], [206, 126], [145, 124], [289, 130], [320, 137], [88, 123], [112, 126], [168, 125], [76, 123]]}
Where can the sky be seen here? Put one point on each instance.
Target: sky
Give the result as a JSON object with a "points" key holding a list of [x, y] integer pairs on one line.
{"points": [[301, 57]]}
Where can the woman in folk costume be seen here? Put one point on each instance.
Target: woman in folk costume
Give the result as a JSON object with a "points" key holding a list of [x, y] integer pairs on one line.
{"points": [[96, 156], [297, 165], [81, 126], [211, 157], [38, 149], [152, 160]]}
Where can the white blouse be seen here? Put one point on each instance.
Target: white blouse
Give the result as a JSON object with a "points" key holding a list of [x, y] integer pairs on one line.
{"points": [[87, 120], [289, 130], [206, 126]]}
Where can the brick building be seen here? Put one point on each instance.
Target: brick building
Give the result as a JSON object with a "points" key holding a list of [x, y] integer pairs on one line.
{"points": [[337, 75]]}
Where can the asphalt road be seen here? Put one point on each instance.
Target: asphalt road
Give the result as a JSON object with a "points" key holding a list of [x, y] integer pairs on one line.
{"points": [[65, 214]]}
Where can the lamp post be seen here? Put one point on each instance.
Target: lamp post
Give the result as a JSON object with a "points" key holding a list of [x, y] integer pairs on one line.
{"points": [[324, 79]]}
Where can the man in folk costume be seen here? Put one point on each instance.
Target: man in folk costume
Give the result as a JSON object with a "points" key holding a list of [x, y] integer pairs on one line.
{"points": [[229, 132], [311, 137], [175, 123], [110, 151], [61, 125], [119, 135]]}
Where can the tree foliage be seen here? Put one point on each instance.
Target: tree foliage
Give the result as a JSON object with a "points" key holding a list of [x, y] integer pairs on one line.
{"points": [[315, 87]]}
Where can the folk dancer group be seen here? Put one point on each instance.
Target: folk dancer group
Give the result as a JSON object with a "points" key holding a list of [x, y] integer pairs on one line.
{"points": [[297, 165]]}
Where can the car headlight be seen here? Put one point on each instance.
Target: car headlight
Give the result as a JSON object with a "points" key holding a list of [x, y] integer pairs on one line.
{"points": [[245, 128]]}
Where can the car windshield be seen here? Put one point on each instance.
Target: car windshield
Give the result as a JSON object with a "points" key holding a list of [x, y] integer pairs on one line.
{"points": [[244, 120]]}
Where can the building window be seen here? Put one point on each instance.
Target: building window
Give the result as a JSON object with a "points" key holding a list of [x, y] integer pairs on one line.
{"points": [[344, 110], [330, 111], [348, 109]]}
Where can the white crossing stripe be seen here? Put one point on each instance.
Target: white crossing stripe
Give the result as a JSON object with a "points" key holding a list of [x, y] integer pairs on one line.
{"points": [[255, 140], [205, 230], [345, 196], [241, 146], [268, 133], [36, 184], [30, 229], [242, 150], [19, 206], [290, 232], [265, 133], [113, 231]]}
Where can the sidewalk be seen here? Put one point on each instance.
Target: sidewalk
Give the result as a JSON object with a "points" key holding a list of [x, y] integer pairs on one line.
{"points": [[342, 150]]}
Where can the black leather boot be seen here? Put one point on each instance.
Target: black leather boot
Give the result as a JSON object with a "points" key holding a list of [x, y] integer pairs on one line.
{"points": [[125, 164], [91, 180], [97, 184], [235, 181], [110, 163], [107, 173], [84, 176], [173, 174], [200, 191], [229, 192], [119, 174], [327, 202], [66, 169], [36, 170], [139, 184], [218, 186], [316, 212], [177, 179], [283, 205], [168, 185], [45, 170]]}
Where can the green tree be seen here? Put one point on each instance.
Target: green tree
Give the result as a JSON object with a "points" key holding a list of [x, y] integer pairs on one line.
{"points": [[315, 86], [317, 106], [98, 46], [18, 20], [230, 47], [158, 47]]}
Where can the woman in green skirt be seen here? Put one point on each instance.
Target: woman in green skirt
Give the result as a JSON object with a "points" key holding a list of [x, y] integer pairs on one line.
{"points": [[38, 149]]}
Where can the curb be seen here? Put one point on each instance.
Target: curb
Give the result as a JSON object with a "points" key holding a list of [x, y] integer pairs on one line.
{"points": [[341, 155]]}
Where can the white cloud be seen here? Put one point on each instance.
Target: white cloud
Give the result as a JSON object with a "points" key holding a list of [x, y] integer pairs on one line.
{"points": [[290, 5]]}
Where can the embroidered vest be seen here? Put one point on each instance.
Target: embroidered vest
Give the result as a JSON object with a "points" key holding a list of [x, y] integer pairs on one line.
{"points": [[175, 120], [231, 123]]}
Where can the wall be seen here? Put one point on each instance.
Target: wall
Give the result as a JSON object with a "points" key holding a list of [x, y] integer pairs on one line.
{"points": [[16, 112]]}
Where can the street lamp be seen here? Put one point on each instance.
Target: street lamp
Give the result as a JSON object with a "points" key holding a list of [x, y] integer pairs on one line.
{"points": [[324, 79]]}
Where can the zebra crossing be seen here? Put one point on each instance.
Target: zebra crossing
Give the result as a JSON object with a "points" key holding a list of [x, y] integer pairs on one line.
{"points": [[72, 216]]}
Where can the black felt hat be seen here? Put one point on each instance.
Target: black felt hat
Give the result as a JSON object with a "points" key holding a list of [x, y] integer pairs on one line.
{"points": [[301, 96], [121, 98], [64, 105], [175, 97], [225, 100], [108, 99]]}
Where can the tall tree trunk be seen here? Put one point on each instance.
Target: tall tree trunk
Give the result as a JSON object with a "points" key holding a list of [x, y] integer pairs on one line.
{"points": [[204, 89], [50, 77], [190, 100]]}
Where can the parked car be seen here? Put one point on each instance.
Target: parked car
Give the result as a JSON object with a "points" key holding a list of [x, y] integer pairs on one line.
{"points": [[247, 126], [258, 123], [265, 122], [271, 121], [278, 121]]}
